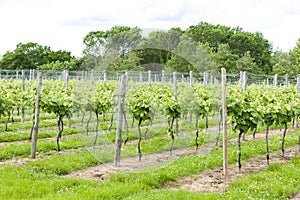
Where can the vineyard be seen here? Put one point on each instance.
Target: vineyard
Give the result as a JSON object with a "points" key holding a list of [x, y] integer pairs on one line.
{"points": [[157, 137]]}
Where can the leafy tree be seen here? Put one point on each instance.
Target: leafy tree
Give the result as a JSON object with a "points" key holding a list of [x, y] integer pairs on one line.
{"points": [[158, 46], [214, 35], [31, 55], [282, 64], [247, 63], [105, 47], [192, 55], [225, 58], [58, 65], [259, 48], [295, 58]]}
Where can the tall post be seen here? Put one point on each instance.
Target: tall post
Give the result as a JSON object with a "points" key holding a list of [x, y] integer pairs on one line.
{"points": [[36, 117], [104, 77], [224, 110], [286, 80], [120, 119], [298, 83], [23, 88], [191, 78], [92, 75], [175, 93], [141, 77], [205, 78], [244, 82], [275, 80], [163, 76], [149, 78], [66, 80]]}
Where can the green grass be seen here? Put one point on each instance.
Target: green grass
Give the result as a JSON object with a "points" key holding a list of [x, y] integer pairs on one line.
{"points": [[41, 177]]}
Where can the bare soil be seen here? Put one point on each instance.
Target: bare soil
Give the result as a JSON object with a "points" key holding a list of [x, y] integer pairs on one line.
{"points": [[296, 197], [213, 180], [131, 164]]}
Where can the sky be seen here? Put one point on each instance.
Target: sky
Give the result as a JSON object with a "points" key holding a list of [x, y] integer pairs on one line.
{"points": [[62, 24]]}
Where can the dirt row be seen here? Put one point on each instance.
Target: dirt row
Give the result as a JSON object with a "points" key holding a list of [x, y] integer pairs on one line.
{"points": [[132, 164], [213, 180]]}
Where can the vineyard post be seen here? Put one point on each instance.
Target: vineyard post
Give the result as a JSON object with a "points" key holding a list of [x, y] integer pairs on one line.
{"points": [[17, 74], [175, 92], [149, 78], [275, 80], [286, 80], [244, 80], [104, 77], [85, 75], [66, 80], [141, 77], [92, 75], [224, 110], [205, 78], [36, 117], [120, 119], [182, 78], [30, 75], [33, 74], [23, 88], [191, 78], [163, 76], [298, 83]]}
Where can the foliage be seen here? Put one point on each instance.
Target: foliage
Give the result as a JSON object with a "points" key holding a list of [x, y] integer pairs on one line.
{"points": [[31, 55]]}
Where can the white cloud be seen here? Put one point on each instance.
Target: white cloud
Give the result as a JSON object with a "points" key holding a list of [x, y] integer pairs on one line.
{"points": [[62, 24]]}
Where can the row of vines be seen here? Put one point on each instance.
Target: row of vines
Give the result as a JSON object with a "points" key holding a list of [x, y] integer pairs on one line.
{"points": [[247, 109]]}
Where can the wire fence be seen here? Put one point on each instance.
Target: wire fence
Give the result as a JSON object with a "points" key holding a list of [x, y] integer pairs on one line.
{"points": [[154, 76]]}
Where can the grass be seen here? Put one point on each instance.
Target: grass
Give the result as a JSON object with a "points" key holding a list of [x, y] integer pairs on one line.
{"points": [[41, 180], [23, 150]]}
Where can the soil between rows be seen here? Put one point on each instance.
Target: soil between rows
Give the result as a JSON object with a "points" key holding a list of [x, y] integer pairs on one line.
{"points": [[213, 180], [132, 164]]}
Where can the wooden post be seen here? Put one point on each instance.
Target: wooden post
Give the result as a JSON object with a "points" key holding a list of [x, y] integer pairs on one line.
{"points": [[120, 119], [191, 78], [92, 75], [149, 78], [23, 88], [205, 78], [104, 77], [141, 77], [36, 117], [286, 80], [275, 80], [163, 76], [66, 80], [175, 92], [298, 83], [244, 83], [224, 110]]}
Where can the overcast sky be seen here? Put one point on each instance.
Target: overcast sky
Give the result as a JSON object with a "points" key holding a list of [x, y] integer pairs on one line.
{"points": [[62, 24]]}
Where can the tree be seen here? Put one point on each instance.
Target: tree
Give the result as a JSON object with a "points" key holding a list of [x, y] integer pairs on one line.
{"points": [[247, 63], [157, 48], [191, 55], [105, 47], [214, 35], [259, 48], [282, 64], [295, 58], [225, 58], [31, 55]]}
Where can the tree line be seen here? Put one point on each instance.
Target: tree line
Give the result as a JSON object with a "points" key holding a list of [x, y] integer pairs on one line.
{"points": [[200, 47]]}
